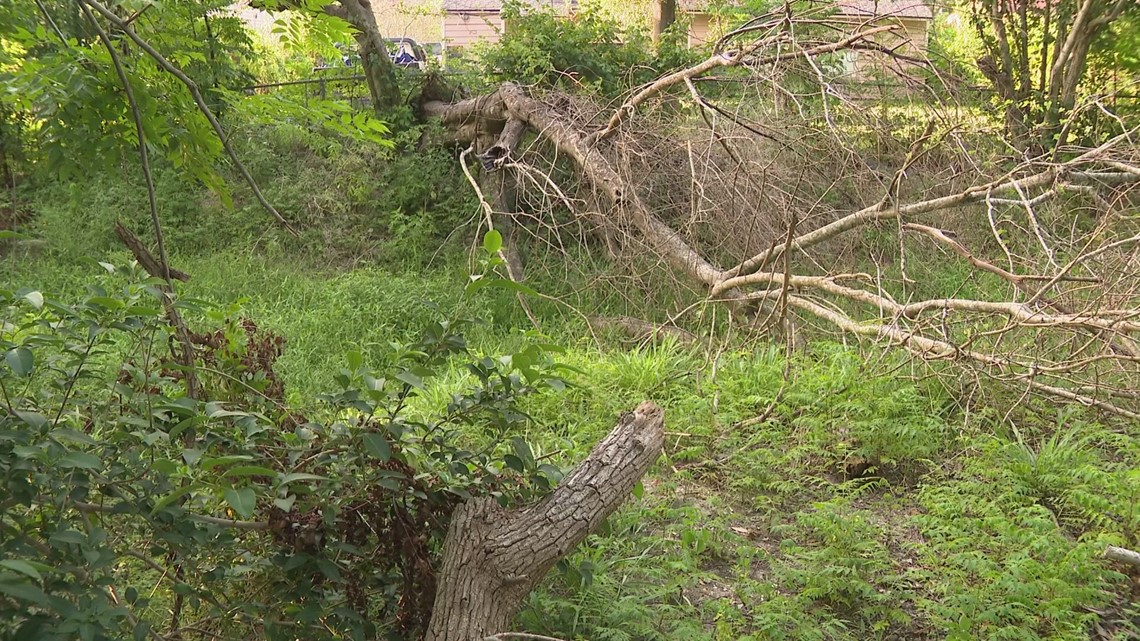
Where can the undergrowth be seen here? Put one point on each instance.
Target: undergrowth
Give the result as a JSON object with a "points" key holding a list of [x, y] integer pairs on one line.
{"points": [[835, 493]]}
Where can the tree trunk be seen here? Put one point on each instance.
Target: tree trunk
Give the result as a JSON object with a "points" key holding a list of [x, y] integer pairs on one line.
{"points": [[379, 71], [510, 101], [493, 558], [666, 16], [500, 181]]}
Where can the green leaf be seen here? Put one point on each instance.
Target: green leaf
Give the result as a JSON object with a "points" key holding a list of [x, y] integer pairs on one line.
{"points": [[108, 266], [174, 496], [191, 455], [33, 419], [211, 463], [106, 302], [23, 591], [20, 360], [35, 298], [67, 537], [227, 414], [390, 484], [411, 379], [523, 451], [64, 434], [514, 462], [638, 490], [21, 566], [355, 359], [377, 446], [82, 460], [492, 241], [242, 500], [329, 569], [373, 383], [250, 470], [300, 476]]}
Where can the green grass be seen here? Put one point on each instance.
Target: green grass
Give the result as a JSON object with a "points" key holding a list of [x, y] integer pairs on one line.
{"points": [[864, 504]]}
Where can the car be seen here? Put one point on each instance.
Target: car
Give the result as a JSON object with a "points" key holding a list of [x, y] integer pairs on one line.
{"points": [[407, 53]]}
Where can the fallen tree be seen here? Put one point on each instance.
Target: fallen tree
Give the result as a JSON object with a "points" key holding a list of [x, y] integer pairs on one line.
{"points": [[493, 558], [1063, 323]]}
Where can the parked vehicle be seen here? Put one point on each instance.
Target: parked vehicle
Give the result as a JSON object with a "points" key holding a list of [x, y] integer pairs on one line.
{"points": [[407, 53]]}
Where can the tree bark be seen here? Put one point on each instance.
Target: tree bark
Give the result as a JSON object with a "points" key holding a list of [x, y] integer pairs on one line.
{"points": [[1122, 555], [493, 558], [510, 101], [379, 71], [666, 16]]}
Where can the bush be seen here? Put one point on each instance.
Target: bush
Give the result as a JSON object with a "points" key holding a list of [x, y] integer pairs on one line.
{"points": [[585, 50], [126, 499]]}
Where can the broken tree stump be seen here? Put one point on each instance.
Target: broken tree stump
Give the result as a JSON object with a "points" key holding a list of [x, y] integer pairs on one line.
{"points": [[493, 558]]}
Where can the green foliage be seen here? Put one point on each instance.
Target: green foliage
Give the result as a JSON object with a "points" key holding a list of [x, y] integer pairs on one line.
{"points": [[586, 51], [335, 117], [65, 82], [354, 201], [839, 574], [1014, 553], [109, 471], [1021, 45], [955, 47]]}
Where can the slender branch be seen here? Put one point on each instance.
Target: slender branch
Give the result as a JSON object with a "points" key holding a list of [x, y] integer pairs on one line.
{"points": [[51, 22], [724, 60], [201, 518], [1122, 555], [184, 356], [488, 214], [198, 100], [875, 212], [932, 349], [520, 635], [144, 155]]}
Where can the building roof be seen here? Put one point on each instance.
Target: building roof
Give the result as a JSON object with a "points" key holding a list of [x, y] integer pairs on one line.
{"points": [[864, 8], [495, 6]]}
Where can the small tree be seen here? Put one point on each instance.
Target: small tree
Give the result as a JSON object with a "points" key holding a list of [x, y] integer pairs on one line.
{"points": [[1037, 55]]}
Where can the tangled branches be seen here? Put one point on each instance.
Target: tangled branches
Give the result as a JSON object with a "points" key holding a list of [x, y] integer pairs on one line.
{"points": [[758, 177]]}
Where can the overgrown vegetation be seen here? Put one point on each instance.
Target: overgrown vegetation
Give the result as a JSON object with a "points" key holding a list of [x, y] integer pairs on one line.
{"points": [[357, 382]]}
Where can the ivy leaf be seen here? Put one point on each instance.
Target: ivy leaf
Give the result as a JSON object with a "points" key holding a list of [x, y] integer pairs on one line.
{"points": [[20, 360], [242, 500]]}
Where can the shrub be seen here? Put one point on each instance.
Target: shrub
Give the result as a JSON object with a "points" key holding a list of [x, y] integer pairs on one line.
{"points": [[587, 49], [329, 513]]}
